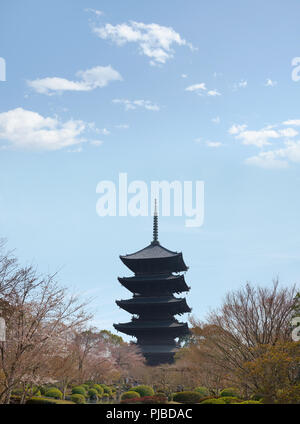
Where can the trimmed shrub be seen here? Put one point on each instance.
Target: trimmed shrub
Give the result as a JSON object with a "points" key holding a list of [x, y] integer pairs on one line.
{"points": [[78, 398], [187, 397], [251, 402], [130, 395], [99, 389], [257, 396], [79, 390], [106, 389], [53, 392], [93, 394], [86, 386], [45, 401], [230, 391], [230, 399], [203, 391], [213, 402], [146, 400], [143, 390]]}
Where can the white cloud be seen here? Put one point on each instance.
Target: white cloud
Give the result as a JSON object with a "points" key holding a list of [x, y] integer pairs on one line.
{"points": [[292, 122], [261, 137], [208, 143], [95, 11], [213, 143], [270, 83], [235, 129], [267, 160], [257, 138], [105, 131], [122, 126], [155, 41], [134, 104], [216, 120], [196, 87], [184, 76], [213, 93], [24, 129], [240, 84], [90, 79], [201, 88], [279, 158], [288, 132], [243, 84]]}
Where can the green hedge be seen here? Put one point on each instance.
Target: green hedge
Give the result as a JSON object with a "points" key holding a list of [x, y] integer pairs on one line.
{"points": [[79, 390], [187, 397], [143, 390], [77, 398], [203, 391], [45, 401], [230, 391], [213, 402], [99, 389], [93, 394], [250, 402], [230, 399], [53, 392], [130, 395]]}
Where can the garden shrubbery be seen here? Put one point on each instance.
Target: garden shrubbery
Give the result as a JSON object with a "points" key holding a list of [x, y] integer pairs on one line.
{"points": [[143, 390], [230, 391], [53, 392], [187, 397], [130, 395], [78, 398], [213, 402], [203, 391], [93, 394], [79, 390]]}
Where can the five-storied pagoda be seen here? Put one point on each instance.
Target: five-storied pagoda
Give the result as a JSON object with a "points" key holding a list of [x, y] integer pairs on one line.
{"points": [[158, 275]]}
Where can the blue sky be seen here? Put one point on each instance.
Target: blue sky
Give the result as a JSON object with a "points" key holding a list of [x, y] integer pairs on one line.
{"points": [[168, 90]]}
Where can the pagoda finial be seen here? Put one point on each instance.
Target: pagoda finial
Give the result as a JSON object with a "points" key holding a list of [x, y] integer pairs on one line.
{"points": [[155, 223]]}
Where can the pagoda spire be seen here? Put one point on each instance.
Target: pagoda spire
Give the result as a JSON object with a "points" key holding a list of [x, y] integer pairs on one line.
{"points": [[155, 224]]}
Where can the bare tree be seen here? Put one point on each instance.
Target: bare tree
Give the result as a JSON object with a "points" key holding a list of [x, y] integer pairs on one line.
{"points": [[37, 312]]}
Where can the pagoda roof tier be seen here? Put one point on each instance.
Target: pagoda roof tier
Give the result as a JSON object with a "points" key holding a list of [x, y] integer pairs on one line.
{"points": [[166, 304], [158, 348], [154, 259], [139, 327], [155, 283]]}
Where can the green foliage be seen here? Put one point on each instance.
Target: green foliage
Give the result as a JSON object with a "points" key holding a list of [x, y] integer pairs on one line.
{"points": [[187, 397], [130, 395], [213, 402], [78, 398], [203, 391], [110, 337], [99, 389], [143, 390], [45, 401], [230, 391], [256, 396], [53, 392], [93, 394], [250, 402], [79, 390], [230, 399], [106, 389], [289, 395], [85, 386]]}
